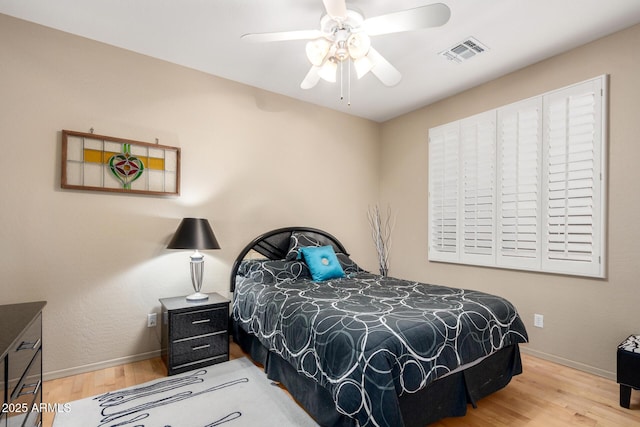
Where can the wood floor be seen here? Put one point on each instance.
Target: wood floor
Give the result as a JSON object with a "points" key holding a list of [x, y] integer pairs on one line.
{"points": [[545, 395]]}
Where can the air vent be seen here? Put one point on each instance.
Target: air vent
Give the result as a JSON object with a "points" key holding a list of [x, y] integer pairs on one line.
{"points": [[464, 50]]}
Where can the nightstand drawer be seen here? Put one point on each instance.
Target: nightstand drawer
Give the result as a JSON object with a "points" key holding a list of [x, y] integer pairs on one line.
{"points": [[199, 348], [200, 322]]}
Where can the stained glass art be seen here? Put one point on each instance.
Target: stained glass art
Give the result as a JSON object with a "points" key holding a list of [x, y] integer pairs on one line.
{"points": [[104, 163]]}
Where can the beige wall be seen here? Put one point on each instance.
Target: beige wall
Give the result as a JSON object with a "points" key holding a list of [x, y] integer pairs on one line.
{"points": [[584, 319], [252, 161]]}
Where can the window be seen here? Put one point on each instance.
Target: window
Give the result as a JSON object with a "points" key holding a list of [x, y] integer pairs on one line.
{"points": [[522, 186]]}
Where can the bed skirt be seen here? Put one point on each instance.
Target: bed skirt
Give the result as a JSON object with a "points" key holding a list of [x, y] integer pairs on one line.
{"points": [[446, 397]]}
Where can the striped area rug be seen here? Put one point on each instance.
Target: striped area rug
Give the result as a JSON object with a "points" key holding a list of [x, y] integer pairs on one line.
{"points": [[234, 393]]}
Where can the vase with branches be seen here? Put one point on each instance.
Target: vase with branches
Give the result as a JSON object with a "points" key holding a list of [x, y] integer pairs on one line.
{"points": [[381, 228]]}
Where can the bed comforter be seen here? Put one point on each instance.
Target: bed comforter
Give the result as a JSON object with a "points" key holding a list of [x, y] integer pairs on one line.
{"points": [[368, 338]]}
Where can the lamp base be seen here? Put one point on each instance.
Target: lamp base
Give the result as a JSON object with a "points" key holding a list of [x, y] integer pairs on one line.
{"points": [[198, 296]]}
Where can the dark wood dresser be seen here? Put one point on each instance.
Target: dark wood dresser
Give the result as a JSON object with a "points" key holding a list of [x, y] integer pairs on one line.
{"points": [[194, 334], [21, 364]]}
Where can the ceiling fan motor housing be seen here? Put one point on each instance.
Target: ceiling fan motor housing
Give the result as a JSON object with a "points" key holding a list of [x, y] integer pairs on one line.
{"points": [[351, 21]]}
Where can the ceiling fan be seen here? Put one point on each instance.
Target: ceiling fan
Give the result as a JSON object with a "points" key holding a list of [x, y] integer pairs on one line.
{"points": [[344, 35]]}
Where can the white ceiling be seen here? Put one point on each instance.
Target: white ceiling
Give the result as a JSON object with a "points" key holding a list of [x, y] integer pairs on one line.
{"points": [[205, 35]]}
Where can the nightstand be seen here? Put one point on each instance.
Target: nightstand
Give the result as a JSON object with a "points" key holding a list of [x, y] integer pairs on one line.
{"points": [[194, 334]]}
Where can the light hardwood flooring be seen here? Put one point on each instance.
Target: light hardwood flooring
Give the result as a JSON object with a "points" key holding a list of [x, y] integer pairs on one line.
{"points": [[545, 395]]}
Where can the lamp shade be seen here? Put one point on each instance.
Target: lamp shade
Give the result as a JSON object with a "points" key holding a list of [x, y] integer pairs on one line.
{"points": [[358, 45], [317, 50], [194, 233], [328, 71]]}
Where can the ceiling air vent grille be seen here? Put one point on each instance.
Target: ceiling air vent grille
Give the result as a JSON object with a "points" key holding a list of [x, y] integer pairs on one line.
{"points": [[464, 50]]}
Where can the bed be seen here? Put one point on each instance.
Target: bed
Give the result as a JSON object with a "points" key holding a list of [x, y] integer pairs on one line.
{"points": [[363, 349]]}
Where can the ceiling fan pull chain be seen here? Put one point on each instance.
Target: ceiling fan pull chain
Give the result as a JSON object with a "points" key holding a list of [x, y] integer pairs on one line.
{"points": [[341, 75], [349, 85]]}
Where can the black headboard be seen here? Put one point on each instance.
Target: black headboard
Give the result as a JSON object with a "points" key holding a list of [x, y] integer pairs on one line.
{"points": [[275, 244]]}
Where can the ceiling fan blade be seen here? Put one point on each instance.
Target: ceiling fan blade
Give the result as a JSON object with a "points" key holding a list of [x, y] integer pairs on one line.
{"points": [[282, 36], [336, 8], [383, 70], [311, 79], [433, 15]]}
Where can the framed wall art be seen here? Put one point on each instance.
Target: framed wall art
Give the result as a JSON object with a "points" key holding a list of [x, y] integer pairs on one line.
{"points": [[106, 163]]}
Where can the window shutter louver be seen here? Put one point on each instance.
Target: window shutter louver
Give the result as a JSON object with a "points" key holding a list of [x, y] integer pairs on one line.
{"points": [[478, 143], [572, 202], [520, 150], [443, 192]]}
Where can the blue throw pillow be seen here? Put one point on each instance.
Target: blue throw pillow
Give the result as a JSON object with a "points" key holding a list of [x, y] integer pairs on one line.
{"points": [[322, 262]]}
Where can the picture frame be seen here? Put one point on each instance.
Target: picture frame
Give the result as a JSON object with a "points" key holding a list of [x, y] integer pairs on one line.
{"points": [[118, 165]]}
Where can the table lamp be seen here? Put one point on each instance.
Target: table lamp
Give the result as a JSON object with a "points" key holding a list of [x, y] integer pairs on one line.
{"points": [[195, 233]]}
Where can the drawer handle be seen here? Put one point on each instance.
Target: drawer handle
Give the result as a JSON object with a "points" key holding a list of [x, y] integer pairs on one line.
{"points": [[26, 345], [196, 322], [36, 387], [200, 347]]}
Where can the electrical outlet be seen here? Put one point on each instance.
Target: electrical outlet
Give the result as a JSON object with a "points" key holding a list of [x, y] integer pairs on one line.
{"points": [[538, 320], [152, 320]]}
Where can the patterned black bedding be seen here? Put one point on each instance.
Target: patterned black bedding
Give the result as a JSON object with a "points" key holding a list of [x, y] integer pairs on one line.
{"points": [[368, 338]]}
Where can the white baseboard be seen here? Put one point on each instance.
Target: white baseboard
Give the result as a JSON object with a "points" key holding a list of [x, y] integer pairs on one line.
{"points": [[570, 363], [46, 376]]}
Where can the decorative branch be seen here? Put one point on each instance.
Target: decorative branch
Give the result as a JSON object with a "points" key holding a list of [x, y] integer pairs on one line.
{"points": [[381, 228]]}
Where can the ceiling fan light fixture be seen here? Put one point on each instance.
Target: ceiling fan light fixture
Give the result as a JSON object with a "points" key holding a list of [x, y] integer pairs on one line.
{"points": [[358, 45], [317, 50], [363, 66], [329, 70]]}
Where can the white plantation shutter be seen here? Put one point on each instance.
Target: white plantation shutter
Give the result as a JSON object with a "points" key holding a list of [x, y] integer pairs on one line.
{"points": [[519, 193], [572, 202], [443, 192], [523, 186], [478, 150]]}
